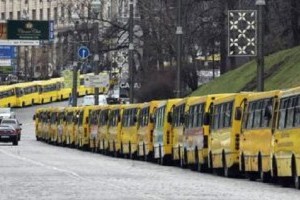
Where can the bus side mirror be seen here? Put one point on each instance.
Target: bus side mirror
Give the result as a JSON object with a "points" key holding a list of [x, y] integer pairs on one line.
{"points": [[169, 117], [268, 112], [33, 117], [238, 113], [134, 119], [152, 118], [182, 118]]}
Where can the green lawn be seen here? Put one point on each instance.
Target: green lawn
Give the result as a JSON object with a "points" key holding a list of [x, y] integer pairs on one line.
{"points": [[282, 70]]}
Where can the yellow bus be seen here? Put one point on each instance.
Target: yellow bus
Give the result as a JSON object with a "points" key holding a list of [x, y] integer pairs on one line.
{"points": [[63, 92], [82, 129], [255, 139], [286, 139], [162, 133], [61, 125], [45, 126], [7, 96], [179, 153], [129, 130], [145, 130], [82, 89], [93, 127], [69, 134], [47, 91], [103, 129], [197, 131], [39, 117], [114, 130], [56, 124], [224, 143], [27, 94]]}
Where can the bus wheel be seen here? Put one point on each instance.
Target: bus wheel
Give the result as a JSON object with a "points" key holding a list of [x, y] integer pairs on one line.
{"points": [[296, 178], [274, 170], [42, 101], [264, 176], [50, 99], [32, 101], [61, 97], [8, 105], [144, 152], [225, 167], [23, 104]]}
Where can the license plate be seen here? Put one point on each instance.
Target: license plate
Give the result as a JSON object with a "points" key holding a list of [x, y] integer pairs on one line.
{"points": [[4, 136]]}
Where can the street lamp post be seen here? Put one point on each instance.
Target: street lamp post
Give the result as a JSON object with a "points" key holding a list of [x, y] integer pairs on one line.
{"points": [[96, 7], [131, 48], [260, 42], [26, 64], [179, 33]]}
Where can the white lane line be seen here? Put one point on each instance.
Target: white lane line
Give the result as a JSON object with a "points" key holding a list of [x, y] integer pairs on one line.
{"points": [[28, 160]]}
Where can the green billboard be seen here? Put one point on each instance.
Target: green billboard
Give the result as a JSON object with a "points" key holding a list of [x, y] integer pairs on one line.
{"points": [[30, 30]]}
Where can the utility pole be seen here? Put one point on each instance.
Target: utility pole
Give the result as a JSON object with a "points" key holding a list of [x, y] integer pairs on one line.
{"points": [[131, 48], [96, 61], [260, 40], [179, 33], [75, 69], [26, 63]]}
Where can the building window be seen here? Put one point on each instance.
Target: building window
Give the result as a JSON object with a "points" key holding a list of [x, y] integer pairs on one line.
{"points": [[48, 13], [41, 14], [62, 13], [3, 15], [10, 15], [55, 15], [34, 14], [19, 14], [26, 1]]}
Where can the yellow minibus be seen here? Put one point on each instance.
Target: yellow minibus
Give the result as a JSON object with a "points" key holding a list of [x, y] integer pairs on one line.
{"points": [[162, 133]]}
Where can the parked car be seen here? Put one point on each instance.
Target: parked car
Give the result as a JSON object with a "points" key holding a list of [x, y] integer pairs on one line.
{"points": [[8, 134], [15, 124], [6, 113]]}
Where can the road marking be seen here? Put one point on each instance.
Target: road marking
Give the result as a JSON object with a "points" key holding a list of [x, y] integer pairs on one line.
{"points": [[28, 160]]}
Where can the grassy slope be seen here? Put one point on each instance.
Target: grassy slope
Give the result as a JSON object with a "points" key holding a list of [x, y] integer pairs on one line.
{"points": [[286, 76]]}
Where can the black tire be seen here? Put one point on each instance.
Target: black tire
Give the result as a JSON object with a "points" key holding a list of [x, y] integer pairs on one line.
{"points": [[19, 137], [32, 102], [296, 178], [264, 176], [274, 170], [23, 104], [15, 142]]}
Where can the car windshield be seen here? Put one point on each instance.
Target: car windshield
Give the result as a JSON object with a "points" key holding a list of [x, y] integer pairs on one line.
{"points": [[8, 122]]}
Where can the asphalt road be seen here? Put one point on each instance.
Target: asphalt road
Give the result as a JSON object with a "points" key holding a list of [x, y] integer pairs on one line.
{"points": [[35, 170]]}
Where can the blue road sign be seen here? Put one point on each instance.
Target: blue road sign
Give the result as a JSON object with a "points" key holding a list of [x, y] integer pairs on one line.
{"points": [[83, 52], [8, 52]]}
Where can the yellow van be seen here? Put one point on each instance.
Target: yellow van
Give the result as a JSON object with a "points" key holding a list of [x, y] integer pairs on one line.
{"points": [[129, 130], [224, 144], [162, 133], [114, 130], [69, 133], [102, 137], [145, 130], [93, 127], [285, 145], [196, 132], [256, 135], [82, 132], [179, 153]]}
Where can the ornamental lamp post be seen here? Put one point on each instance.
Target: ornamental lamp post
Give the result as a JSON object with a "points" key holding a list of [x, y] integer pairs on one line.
{"points": [[96, 8], [260, 45]]}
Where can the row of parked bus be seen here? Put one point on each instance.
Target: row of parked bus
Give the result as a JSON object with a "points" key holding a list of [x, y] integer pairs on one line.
{"points": [[39, 92], [254, 134]]}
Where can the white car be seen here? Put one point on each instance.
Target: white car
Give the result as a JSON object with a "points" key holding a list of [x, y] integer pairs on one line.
{"points": [[90, 100], [6, 113]]}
